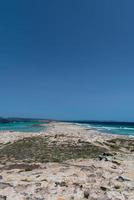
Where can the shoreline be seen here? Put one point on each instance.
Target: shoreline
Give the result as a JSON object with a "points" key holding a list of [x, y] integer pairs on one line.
{"points": [[21, 134]]}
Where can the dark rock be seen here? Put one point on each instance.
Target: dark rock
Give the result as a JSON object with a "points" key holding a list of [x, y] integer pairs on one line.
{"points": [[117, 187], [108, 159], [103, 188], [105, 158], [81, 186], [86, 194], [122, 179], [108, 154], [114, 167], [72, 197], [79, 141], [3, 197], [116, 162], [101, 157], [61, 184]]}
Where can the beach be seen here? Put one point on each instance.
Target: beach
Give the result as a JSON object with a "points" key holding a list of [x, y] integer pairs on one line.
{"points": [[66, 161]]}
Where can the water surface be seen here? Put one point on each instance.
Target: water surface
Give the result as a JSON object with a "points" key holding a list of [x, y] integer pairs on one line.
{"points": [[32, 126], [120, 128]]}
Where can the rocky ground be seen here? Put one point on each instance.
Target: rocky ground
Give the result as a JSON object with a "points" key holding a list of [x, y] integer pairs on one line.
{"points": [[66, 162]]}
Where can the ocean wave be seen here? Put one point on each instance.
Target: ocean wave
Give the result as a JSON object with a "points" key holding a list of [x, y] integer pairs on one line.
{"points": [[121, 130], [113, 128]]}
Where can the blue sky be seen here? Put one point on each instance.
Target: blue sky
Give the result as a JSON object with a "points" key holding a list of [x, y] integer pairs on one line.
{"points": [[67, 59]]}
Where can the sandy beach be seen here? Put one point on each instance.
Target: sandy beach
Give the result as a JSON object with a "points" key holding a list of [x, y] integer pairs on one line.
{"points": [[66, 162]]}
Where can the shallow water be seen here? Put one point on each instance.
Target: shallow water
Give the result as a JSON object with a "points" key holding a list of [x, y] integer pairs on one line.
{"points": [[33, 126]]}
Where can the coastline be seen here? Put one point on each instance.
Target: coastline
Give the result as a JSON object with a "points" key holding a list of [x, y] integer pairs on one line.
{"points": [[105, 173], [56, 128]]}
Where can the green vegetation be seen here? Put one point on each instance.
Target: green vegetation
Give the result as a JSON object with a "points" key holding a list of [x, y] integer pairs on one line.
{"points": [[41, 149]]}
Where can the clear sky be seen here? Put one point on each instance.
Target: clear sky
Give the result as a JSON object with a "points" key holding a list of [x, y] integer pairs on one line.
{"points": [[67, 59]]}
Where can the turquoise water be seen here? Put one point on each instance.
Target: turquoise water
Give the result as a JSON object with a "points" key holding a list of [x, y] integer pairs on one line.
{"points": [[113, 129], [22, 126], [120, 128]]}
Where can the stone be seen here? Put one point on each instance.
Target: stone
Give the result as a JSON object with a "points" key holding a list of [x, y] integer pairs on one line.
{"points": [[61, 184], [117, 187], [103, 188], [105, 158], [108, 154], [122, 179], [101, 157], [86, 194], [116, 162], [72, 198], [4, 185], [3, 197]]}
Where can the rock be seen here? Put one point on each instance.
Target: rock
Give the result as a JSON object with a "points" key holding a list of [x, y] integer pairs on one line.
{"points": [[3, 197], [79, 141], [86, 194], [105, 158], [1, 177], [81, 186], [108, 158], [62, 184], [4, 185], [122, 179], [108, 154], [78, 185], [103, 188], [72, 198], [116, 162], [101, 157], [38, 184], [117, 187], [114, 167]]}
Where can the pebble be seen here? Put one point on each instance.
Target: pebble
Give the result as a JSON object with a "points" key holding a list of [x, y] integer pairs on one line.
{"points": [[103, 188], [86, 194]]}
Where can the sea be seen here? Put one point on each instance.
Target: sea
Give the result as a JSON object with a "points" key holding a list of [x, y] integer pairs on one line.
{"points": [[119, 128], [22, 126]]}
